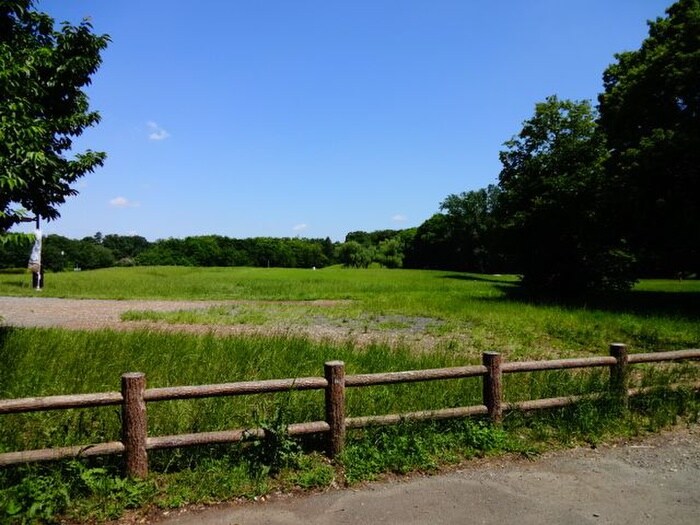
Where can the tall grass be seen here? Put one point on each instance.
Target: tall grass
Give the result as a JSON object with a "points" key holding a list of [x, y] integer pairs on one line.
{"points": [[49, 362]]}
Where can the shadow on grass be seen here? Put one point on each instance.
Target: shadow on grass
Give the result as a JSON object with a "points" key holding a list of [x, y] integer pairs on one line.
{"points": [[684, 305], [495, 278]]}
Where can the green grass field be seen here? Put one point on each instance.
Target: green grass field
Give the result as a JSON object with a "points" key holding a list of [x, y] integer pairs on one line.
{"points": [[469, 313], [464, 314]]}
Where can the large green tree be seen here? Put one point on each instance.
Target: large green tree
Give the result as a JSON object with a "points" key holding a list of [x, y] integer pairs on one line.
{"points": [[551, 206], [650, 112], [42, 109]]}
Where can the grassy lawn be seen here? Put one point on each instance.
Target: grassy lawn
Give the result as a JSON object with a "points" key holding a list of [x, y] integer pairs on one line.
{"points": [[465, 314]]}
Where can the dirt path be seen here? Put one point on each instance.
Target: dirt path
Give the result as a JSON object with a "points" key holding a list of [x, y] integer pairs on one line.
{"points": [[654, 481]]}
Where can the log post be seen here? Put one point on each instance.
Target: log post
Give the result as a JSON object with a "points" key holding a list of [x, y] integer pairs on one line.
{"points": [[335, 406], [492, 386], [134, 425], [619, 377]]}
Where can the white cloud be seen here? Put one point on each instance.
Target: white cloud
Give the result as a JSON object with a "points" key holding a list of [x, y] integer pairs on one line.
{"points": [[157, 133], [122, 202], [399, 218], [300, 227]]}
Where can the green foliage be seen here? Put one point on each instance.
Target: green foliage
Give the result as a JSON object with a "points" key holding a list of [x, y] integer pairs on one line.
{"points": [[551, 181], [42, 494], [410, 447], [352, 254], [462, 237], [42, 107], [60, 253], [34, 498], [650, 113], [215, 250], [276, 450]]}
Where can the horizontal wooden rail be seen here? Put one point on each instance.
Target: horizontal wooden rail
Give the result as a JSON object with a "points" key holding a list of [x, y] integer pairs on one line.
{"points": [[134, 396], [423, 415], [52, 454], [235, 389], [229, 436], [655, 357], [539, 404], [36, 404], [557, 364], [409, 376]]}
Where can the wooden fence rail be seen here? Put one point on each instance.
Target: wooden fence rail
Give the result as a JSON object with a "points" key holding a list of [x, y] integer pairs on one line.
{"points": [[134, 396]]}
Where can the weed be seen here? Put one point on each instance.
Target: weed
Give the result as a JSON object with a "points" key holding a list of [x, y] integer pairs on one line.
{"points": [[276, 450], [40, 494], [37, 497]]}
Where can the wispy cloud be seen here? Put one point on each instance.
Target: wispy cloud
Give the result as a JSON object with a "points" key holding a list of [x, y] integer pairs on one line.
{"points": [[399, 218], [156, 132], [300, 228], [123, 202]]}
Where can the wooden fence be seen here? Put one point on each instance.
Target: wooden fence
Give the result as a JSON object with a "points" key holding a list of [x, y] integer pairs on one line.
{"points": [[134, 396]]}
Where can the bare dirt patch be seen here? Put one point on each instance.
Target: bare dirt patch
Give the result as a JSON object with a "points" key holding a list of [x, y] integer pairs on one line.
{"points": [[96, 314]]}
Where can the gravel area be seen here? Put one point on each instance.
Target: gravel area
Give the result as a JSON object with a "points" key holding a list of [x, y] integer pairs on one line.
{"points": [[81, 313], [96, 314]]}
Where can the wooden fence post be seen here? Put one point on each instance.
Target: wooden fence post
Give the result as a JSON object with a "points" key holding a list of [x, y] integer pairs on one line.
{"points": [[134, 425], [492, 386], [619, 374], [335, 406]]}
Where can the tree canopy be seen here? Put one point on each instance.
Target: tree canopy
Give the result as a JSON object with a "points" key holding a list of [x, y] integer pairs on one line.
{"points": [[552, 185], [650, 113], [42, 109]]}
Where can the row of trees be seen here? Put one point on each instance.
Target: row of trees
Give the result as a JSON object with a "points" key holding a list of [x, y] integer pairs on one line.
{"points": [[98, 251]]}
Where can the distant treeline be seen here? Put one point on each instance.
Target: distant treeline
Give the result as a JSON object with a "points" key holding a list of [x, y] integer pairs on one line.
{"points": [[442, 242]]}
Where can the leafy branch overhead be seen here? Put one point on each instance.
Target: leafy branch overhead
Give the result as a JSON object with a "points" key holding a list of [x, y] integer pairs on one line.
{"points": [[42, 109]]}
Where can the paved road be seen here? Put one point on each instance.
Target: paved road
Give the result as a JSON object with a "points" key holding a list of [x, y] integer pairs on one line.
{"points": [[655, 481]]}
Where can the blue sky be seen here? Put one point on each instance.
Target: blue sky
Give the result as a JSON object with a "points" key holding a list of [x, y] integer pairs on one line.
{"points": [[317, 118]]}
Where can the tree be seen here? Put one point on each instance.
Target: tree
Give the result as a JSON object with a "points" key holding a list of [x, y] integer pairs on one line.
{"points": [[42, 109], [472, 228], [650, 112], [125, 246], [461, 237], [552, 182], [353, 254], [432, 247]]}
